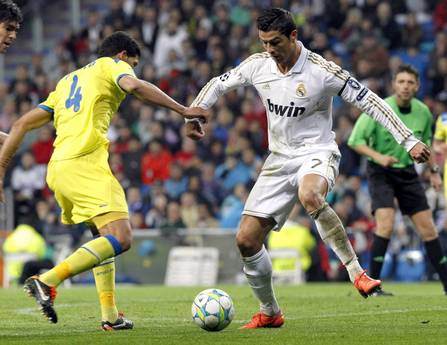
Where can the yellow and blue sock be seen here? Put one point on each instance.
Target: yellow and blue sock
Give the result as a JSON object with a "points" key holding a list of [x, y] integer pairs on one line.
{"points": [[105, 286], [84, 258]]}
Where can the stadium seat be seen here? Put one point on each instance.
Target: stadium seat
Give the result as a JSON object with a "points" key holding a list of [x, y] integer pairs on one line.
{"points": [[192, 266]]}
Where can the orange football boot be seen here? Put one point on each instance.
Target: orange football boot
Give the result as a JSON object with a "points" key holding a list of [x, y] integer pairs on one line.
{"points": [[260, 320], [366, 285]]}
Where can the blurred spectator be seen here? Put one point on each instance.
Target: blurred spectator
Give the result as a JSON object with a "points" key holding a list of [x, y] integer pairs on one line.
{"points": [[27, 181], [411, 32], [440, 15], [173, 220], [386, 23], [169, 39], [135, 201], [189, 210], [43, 148], [232, 172], [232, 207], [206, 218], [370, 58], [27, 253], [155, 163], [149, 27], [177, 183], [132, 159], [157, 213], [292, 236]]}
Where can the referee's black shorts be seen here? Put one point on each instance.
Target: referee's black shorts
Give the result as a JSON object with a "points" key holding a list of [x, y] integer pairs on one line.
{"points": [[385, 184]]}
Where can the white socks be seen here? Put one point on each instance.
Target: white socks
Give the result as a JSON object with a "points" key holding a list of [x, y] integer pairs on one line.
{"points": [[258, 270], [333, 234]]}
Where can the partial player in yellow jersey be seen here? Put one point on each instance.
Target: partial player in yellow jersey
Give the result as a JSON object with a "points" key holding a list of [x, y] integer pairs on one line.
{"points": [[440, 141], [10, 19], [440, 144], [81, 107]]}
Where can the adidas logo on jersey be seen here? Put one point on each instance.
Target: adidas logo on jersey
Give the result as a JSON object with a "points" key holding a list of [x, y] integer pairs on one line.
{"points": [[285, 110]]}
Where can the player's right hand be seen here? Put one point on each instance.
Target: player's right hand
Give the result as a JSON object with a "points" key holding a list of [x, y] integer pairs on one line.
{"points": [[197, 113], [420, 153], [387, 161], [194, 130]]}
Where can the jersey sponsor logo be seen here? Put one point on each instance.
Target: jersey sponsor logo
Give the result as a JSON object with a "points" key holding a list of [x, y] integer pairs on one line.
{"points": [[354, 84], [266, 86], [301, 90], [444, 117], [362, 94], [285, 110]]}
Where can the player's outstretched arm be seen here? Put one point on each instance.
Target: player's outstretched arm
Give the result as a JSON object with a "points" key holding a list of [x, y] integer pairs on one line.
{"points": [[33, 119], [375, 107], [149, 93]]}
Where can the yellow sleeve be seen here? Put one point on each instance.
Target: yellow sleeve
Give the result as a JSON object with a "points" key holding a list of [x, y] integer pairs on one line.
{"points": [[50, 102], [118, 69], [441, 127]]}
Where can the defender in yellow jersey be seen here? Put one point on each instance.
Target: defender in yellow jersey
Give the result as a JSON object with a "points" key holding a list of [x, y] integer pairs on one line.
{"points": [[82, 106], [440, 142]]}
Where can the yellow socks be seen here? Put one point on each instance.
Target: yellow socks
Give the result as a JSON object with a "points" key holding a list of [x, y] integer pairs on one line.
{"points": [[84, 258], [105, 285]]}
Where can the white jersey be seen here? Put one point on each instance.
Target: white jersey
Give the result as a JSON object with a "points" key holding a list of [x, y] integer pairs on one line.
{"points": [[299, 103]]}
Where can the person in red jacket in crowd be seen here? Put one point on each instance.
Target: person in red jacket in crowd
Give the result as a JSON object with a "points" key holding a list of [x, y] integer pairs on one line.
{"points": [[43, 147], [440, 15], [155, 163]]}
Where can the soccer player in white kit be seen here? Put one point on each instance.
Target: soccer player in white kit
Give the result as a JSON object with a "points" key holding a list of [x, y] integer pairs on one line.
{"points": [[296, 87]]}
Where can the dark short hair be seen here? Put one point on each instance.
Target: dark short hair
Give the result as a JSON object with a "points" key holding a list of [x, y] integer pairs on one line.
{"points": [[10, 12], [276, 19], [117, 42], [407, 69]]}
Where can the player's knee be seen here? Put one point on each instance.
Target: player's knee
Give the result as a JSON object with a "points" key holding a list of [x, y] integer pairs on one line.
{"points": [[384, 231], [429, 234], [126, 239], [248, 245], [311, 199]]}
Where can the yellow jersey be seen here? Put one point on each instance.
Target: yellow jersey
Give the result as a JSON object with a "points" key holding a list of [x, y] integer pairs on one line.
{"points": [[83, 104], [441, 128]]}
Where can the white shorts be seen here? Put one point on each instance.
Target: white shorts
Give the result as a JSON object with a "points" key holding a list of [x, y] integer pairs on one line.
{"points": [[276, 189]]}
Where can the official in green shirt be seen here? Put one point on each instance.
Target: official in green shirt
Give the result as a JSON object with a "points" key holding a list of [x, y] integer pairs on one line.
{"points": [[391, 173]]}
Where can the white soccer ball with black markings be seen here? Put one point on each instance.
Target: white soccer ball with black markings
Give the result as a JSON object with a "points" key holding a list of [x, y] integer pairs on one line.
{"points": [[212, 310]]}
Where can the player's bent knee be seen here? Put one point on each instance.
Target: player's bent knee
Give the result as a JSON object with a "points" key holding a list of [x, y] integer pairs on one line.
{"points": [[125, 239], [311, 200], [248, 245]]}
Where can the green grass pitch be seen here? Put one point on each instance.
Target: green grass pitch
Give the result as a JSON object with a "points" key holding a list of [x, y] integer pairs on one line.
{"points": [[315, 314]]}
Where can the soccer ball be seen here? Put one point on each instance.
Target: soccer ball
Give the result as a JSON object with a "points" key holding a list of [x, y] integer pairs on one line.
{"points": [[212, 310]]}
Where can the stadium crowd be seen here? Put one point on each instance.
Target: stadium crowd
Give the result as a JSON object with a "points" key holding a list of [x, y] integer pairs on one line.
{"points": [[172, 182]]}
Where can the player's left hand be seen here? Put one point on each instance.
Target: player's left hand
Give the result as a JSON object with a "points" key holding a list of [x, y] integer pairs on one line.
{"points": [[420, 153], [436, 181], [197, 112], [194, 130]]}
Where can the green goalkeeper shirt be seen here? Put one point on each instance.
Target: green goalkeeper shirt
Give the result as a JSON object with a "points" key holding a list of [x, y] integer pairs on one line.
{"points": [[417, 117]]}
